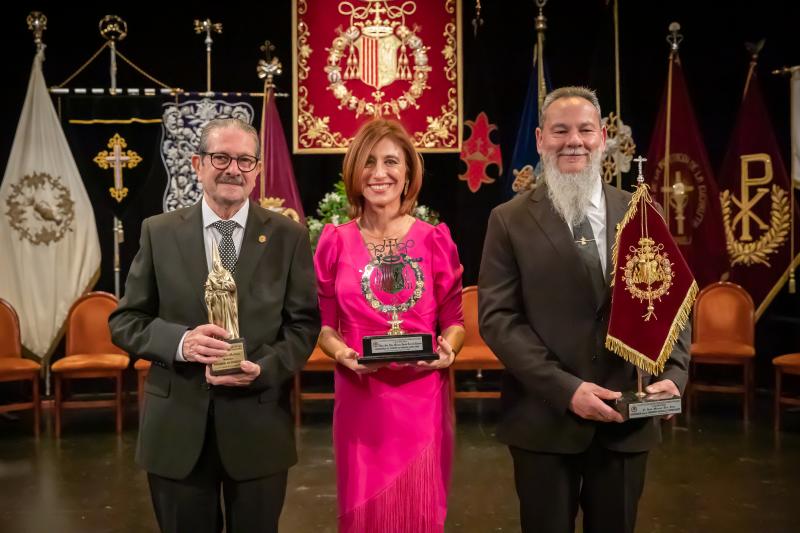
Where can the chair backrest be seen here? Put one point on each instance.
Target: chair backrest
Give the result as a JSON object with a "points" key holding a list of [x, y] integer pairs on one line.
{"points": [[724, 311], [87, 325], [469, 304], [10, 343]]}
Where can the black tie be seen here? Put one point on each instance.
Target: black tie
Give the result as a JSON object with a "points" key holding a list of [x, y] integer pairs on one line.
{"points": [[227, 251], [587, 249]]}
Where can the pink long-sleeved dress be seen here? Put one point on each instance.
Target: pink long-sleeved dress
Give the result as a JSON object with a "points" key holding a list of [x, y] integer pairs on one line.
{"points": [[392, 429]]}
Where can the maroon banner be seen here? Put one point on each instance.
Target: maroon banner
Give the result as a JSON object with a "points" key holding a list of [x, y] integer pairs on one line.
{"points": [[355, 60], [756, 202], [653, 288], [683, 182], [276, 187]]}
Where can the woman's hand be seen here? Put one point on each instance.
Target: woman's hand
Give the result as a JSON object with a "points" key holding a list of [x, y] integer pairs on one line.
{"points": [[446, 356], [349, 358]]}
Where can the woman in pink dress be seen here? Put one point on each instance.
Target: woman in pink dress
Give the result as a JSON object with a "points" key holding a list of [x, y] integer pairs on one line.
{"points": [[392, 428]]}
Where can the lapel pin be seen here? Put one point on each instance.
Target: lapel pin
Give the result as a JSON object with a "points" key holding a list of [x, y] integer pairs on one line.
{"points": [[262, 239]]}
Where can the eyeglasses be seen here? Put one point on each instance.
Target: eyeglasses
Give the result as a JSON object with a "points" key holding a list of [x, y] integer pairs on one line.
{"points": [[221, 161]]}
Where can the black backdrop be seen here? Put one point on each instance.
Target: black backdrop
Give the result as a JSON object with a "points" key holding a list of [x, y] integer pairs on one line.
{"points": [[578, 50]]}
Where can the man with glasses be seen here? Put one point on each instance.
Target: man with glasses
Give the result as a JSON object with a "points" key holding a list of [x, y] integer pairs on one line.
{"points": [[202, 434]]}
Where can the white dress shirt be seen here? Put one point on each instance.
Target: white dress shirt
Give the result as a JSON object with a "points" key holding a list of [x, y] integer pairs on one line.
{"points": [[212, 237]]}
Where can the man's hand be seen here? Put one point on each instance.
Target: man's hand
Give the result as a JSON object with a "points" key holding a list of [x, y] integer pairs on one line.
{"points": [[587, 402], [203, 344], [665, 385], [250, 371]]}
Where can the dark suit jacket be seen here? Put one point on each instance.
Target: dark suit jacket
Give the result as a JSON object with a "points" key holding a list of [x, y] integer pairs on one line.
{"points": [[278, 318], [539, 314]]}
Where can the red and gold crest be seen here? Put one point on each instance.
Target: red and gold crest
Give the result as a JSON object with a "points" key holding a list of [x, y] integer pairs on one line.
{"points": [[359, 59]]}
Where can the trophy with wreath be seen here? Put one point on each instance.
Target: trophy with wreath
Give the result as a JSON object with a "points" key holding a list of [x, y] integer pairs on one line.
{"points": [[652, 295], [392, 283]]}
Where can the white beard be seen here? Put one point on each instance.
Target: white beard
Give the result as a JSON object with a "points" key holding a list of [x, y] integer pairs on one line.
{"points": [[571, 193]]}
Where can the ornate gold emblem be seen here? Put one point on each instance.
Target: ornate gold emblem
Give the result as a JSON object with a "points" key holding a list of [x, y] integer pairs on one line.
{"points": [[40, 208], [757, 252], [525, 179], [648, 273], [685, 195], [742, 249], [377, 49], [118, 160], [276, 204], [619, 148]]}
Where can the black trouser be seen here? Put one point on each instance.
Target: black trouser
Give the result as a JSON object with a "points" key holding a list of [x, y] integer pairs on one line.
{"points": [[606, 484], [193, 504]]}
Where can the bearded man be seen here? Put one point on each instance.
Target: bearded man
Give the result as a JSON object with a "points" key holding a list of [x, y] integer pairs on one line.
{"points": [[544, 301]]}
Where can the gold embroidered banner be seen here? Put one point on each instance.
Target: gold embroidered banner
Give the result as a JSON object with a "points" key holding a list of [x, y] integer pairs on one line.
{"points": [[354, 60]]}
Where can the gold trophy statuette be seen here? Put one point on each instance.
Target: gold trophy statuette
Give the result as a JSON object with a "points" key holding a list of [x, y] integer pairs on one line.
{"points": [[223, 311]]}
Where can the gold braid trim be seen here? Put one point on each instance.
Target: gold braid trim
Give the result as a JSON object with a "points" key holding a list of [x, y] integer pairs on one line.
{"points": [[641, 191], [642, 361]]}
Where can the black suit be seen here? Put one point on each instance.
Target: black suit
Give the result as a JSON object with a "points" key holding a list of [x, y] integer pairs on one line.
{"points": [[540, 315], [241, 433]]}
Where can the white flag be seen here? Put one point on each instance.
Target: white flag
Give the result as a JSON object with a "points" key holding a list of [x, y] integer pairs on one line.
{"points": [[50, 252], [796, 128]]}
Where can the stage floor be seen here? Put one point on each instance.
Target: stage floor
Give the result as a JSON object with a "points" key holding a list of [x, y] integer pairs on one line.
{"points": [[715, 475]]}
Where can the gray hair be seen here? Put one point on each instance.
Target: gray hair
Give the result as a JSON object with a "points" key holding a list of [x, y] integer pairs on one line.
{"points": [[219, 123], [569, 92]]}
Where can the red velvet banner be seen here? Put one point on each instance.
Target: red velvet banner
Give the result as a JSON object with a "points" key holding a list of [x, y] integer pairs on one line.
{"points": [[653, 288], [354, 60], [683, 183], [756, 203]]}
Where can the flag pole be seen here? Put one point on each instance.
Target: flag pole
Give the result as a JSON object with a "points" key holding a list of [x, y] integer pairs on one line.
{"points": [[541, 27], [617, 90], [674, 39], [267, 69], [37, 23], [208, 27], [113, 29], [794, 73]]}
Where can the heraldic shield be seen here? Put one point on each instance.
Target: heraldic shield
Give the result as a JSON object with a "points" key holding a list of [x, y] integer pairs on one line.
{"points": [[358, 60]]}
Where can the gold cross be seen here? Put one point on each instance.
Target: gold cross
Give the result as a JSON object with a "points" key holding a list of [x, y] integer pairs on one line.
{"points": [[117, 159]]}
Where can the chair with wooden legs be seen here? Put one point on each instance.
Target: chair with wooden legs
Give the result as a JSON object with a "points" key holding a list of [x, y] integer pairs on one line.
{"points": [[90, 354], [14, 368], [318, 362], [784, 364], [475, 355], [723, 330]]}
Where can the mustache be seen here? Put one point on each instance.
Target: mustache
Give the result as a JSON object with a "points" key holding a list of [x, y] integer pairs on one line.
{"points": [[231, 180]]}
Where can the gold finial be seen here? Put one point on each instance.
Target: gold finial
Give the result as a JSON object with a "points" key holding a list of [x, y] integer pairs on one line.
{"points": [[37, 23], [208, 27], [674, 38], [269, 67], [113, 28]]}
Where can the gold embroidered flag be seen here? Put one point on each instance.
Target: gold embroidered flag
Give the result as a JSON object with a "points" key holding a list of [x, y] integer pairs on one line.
{"points": [[682, 181], [756, 202], [51, 252], [653, 289]]}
